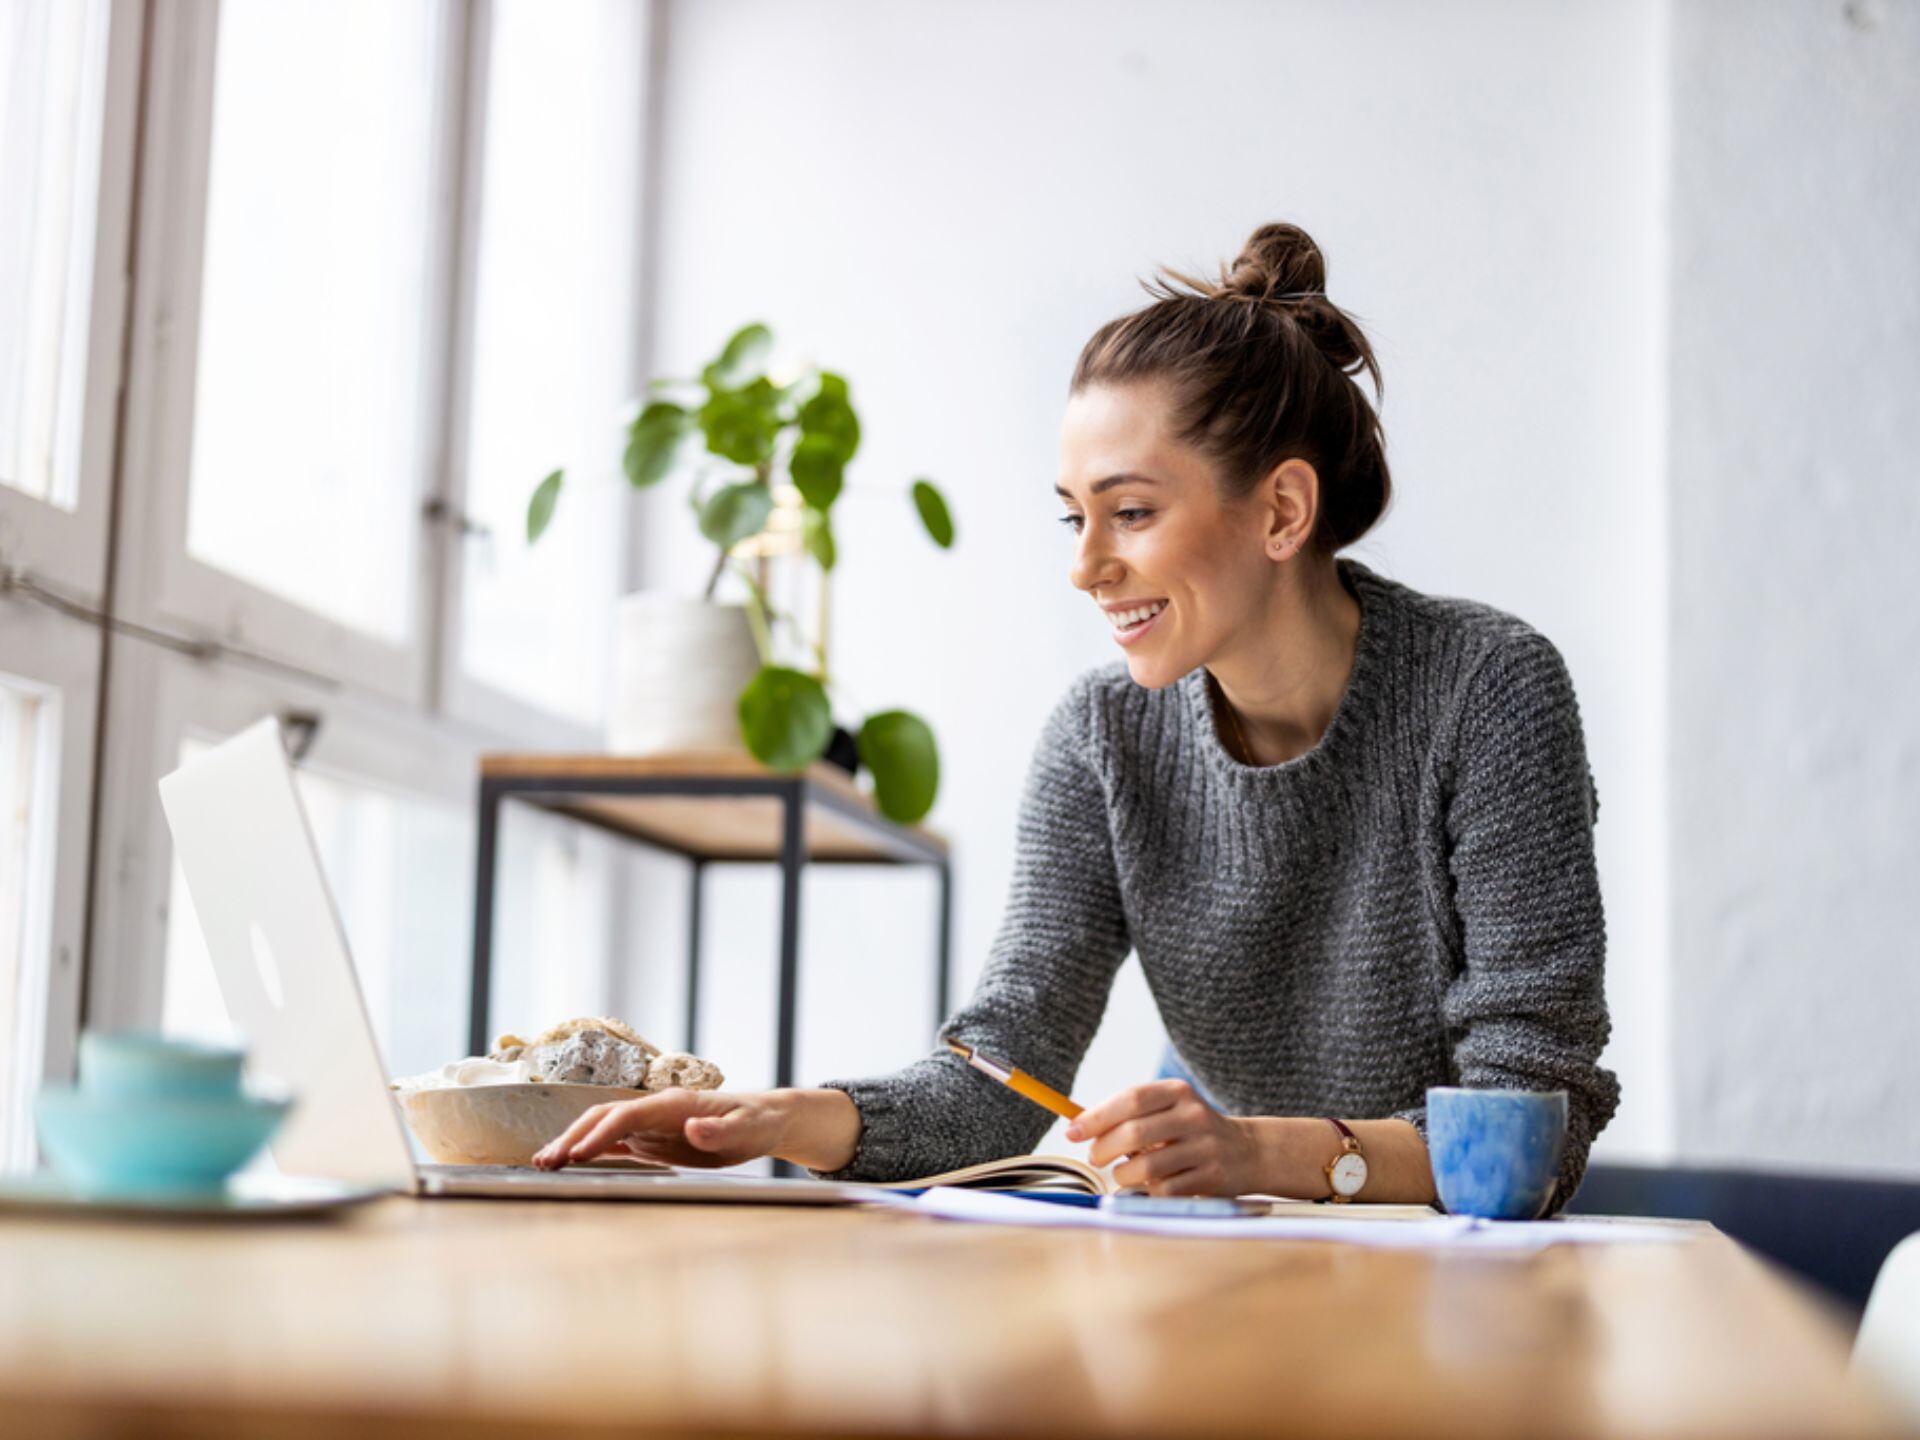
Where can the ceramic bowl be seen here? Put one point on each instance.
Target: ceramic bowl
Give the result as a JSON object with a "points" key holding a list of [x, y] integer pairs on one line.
{"points": [[499, 1124], [164, 1144]]}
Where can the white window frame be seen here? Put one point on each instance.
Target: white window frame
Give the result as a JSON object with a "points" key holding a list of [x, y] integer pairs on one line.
{"points": [[66, 550], [161, 584], [40, 649], [403, 717], [69, 547], [459, 694]]}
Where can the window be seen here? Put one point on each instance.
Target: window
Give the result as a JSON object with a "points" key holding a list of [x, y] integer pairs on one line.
{"points": [[29, 730], [309, 417], [68, 76], [53, 61], [387, 269], [553, 351]]}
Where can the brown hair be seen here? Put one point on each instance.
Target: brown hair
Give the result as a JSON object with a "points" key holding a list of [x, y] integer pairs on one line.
{"points": [[1262, 365]]}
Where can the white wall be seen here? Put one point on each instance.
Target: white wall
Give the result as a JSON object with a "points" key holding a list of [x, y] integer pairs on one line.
{"points": [[944, 199], [1796, 517]]}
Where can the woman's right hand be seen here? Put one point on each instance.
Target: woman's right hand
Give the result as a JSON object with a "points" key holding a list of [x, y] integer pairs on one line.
{"points": [[678, 1127], [708, 1128]]}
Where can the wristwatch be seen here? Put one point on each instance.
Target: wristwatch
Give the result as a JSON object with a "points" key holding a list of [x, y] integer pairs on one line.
{"points": [[1347, 1171]]}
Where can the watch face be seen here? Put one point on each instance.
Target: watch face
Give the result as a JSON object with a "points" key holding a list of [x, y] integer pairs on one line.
{"points": [[1349, 1173]]}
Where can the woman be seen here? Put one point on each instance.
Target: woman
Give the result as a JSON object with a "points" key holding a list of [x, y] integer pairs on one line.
{"points": [[1347, 826]]}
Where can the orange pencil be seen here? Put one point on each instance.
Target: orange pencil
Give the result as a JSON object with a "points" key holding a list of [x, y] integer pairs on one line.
{"points": [[1017, 1081]]}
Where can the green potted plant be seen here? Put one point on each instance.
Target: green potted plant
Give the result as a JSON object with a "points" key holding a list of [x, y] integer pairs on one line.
{"points": [[763, 455]]}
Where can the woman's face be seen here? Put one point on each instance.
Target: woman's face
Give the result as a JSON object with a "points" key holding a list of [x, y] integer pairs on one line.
{"points": [[1151, 531]]}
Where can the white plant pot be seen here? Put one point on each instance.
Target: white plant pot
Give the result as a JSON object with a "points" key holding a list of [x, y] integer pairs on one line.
{"points": [[679, 665]]}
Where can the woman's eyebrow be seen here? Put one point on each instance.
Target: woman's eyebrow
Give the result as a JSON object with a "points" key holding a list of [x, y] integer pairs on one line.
{"points": [[1108, 484]]}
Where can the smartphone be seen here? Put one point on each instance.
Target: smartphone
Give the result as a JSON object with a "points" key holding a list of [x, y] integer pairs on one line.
{"points": [[1189, 1207]]}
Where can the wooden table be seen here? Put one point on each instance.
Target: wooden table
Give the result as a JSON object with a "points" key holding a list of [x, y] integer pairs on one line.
{"points": [[431, 1319]]}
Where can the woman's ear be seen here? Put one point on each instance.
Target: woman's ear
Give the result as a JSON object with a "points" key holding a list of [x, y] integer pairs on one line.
{"points": [[1291, 493]]}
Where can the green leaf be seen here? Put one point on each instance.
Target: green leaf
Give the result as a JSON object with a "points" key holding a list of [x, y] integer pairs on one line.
{"points": [[817, 468], [741, 425], [829, 416], [743, 357], [540, 508], [898, 748], [816, 533], [735, 512], [933, 513], [653, 442], [784, 717], [829, 388]]}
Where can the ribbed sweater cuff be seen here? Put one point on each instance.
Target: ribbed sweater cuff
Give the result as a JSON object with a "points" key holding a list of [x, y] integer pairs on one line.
{"points": [[1417, 1117], [881, 1151]]}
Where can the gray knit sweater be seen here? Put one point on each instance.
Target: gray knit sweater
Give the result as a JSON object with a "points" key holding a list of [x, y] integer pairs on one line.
{"points": [[1412, 902]]}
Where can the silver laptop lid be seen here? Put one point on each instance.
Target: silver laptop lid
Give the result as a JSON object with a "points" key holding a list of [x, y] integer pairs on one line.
{"points": [[281, 957]]}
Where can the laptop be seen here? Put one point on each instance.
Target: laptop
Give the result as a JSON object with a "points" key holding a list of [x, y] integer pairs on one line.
{"points": [[287, 977]]}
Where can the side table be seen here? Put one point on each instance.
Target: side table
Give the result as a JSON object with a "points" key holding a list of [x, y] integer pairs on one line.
{"points": [[706, 806]]}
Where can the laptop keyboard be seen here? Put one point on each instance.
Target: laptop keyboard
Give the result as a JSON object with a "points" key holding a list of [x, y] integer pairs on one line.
{"points": [[528, 1172]]}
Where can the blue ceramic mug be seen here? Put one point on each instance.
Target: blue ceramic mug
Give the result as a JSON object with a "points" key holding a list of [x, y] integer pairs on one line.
{"points": [[1496, 1153]]}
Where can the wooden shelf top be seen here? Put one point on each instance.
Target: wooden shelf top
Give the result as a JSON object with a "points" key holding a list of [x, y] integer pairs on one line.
{"points": [[840, 821]]}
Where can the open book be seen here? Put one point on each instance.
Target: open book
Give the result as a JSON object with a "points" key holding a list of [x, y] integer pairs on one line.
{"points": [[1066, 1175], [1015, 1172], [1019, 1172]]}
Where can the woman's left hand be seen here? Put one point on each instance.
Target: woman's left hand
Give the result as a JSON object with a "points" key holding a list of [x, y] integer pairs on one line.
{"points": [[1178, 1144]]}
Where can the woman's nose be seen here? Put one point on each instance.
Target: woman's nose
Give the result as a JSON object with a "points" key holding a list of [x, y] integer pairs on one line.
{"points": [[1091, 567]]}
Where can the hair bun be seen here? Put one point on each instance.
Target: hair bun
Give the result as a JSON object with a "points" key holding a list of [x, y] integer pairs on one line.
{"points": [[1277, 261]]}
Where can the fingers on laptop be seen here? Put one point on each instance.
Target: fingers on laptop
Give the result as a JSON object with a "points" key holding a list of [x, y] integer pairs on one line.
{"points": [[603, 1127], [596, 1131], [557, 1151]]}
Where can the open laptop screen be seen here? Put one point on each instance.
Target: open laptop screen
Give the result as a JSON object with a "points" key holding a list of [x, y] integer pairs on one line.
{"points": [[281, 957]]}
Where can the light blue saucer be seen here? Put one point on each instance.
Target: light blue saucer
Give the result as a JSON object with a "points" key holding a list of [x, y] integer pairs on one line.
{"points": [[244, 1197], [156, 1145]]}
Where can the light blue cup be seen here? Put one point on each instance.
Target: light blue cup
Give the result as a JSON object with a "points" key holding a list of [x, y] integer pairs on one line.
{"points": [[1496, 1153], [154, 1115]]}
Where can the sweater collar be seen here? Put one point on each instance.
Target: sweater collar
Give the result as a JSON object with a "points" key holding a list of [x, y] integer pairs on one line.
{"points": [[1349, 717]]}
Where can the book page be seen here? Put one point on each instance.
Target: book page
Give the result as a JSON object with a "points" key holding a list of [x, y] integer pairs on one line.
{"points": [[1019, 1172]]}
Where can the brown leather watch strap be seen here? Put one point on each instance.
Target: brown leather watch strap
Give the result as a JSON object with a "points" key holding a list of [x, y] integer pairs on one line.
{"points": [[1341, 1126]]}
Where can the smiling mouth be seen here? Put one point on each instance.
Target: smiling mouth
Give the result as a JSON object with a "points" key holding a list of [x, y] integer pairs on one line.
{"points": [[1127, 634]]}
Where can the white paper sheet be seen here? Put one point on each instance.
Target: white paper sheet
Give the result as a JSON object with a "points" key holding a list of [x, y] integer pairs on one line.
{"points": [[1441, 1232]]}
